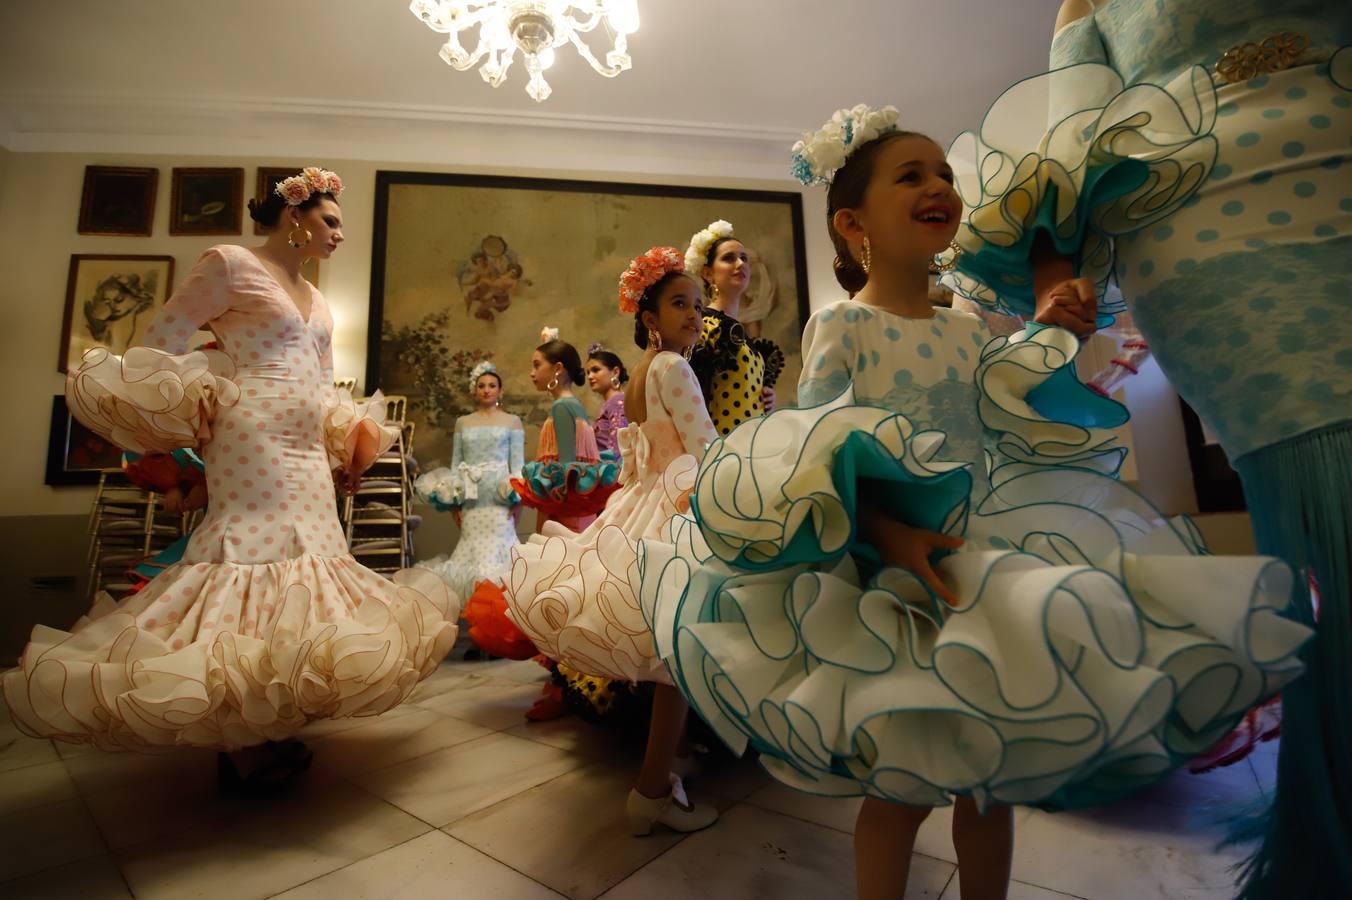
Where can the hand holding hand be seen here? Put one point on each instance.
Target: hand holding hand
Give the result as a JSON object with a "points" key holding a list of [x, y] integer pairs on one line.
{"points": [[1071, 304]]}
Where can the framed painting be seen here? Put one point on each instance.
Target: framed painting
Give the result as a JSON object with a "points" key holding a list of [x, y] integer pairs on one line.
{"points": [[268, 177], [466, 267], [118, 200], [207, 201], [1217, 485], [76, 455], [110, 301]]}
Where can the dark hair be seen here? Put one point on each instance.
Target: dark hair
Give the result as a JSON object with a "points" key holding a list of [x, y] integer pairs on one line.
{"points": [[485, 375], [847, 192], [713, 248], [269, 212], [648, 303], [561, 352], [610, 361]]}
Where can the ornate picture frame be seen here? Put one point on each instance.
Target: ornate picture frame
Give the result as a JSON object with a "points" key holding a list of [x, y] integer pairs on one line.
{"points": [[470, 266], [206, 201], [118, 200], [110, 300]]}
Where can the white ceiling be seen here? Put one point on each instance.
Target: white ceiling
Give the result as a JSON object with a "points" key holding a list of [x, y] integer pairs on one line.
{"points": [[76, 74]]}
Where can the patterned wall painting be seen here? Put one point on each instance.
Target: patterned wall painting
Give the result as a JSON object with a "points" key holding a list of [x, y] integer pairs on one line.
{"points": [[468, 267]]}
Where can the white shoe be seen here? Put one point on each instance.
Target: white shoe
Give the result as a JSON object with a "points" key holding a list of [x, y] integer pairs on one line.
{"points": [[674, 811]]}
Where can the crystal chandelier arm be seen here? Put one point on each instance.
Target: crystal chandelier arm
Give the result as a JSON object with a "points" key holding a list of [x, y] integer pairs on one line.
{"points": [[613, 57]]}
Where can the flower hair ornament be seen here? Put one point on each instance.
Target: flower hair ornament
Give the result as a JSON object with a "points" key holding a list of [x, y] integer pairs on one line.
{"points": [[548, 334], [706, 237], [311, 180], [644, 272], [486, 367], [821, 153], [594, 349]]}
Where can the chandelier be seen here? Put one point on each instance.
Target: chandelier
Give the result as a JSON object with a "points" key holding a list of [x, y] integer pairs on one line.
{"points": [[533, 27]]}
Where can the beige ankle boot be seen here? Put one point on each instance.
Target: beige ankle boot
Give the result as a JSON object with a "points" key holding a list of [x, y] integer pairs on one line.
{"points": [[674, 811]]}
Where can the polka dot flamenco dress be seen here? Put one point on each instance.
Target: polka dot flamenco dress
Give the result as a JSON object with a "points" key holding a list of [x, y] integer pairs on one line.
{"points": [[267, 622], [732, 370]]}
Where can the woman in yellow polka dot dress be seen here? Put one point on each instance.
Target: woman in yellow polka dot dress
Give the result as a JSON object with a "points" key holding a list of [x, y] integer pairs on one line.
{"points": [[737, 373]]}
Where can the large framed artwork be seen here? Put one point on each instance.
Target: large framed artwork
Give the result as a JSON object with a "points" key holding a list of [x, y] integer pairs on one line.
{"points": [[466, 267], [110, 301], [1217, 484], [76, 455]]}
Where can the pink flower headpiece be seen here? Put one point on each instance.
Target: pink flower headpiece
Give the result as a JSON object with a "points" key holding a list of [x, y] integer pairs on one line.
{"points": [[311, 180], [645, 271]]}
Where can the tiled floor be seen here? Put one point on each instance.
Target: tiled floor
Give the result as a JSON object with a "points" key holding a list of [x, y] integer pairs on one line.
{"points": [[454, 795]]}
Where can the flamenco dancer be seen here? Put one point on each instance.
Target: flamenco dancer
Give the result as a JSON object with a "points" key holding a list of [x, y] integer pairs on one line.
{"points": [[267, 622], [576, 596], [860, 599], [1197, 156], [737, 374]]}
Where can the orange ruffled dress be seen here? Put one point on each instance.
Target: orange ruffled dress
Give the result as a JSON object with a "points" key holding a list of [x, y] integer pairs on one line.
{"points": [[267, 622]]}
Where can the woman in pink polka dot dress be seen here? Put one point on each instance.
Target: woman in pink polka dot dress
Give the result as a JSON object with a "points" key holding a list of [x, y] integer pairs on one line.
{"points": [[267, 622], [576, 595]]}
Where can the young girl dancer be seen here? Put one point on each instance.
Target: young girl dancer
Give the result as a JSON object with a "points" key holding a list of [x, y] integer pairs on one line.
{"points": [[883, 615], [607, 376], [569, 482], [488, 450], [737, 374], [267, 622], [575, 596]]}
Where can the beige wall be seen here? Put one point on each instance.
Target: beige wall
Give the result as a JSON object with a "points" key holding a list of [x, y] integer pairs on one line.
{"points": [[39, 207], [39, 204]]}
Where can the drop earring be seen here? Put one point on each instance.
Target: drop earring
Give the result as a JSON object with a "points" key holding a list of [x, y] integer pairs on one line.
{"points": [[866, 257], [947, 265], [291, 235]]}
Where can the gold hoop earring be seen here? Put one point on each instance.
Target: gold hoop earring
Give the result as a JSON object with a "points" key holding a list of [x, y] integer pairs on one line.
{"points": [[615, 382], [553, 384], [947, 266], [654, 339], [866, 257], [291, 236]]}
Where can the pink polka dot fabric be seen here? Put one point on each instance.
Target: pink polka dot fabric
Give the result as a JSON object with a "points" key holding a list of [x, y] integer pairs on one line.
{"points": [[576, 595], [267, 622]]}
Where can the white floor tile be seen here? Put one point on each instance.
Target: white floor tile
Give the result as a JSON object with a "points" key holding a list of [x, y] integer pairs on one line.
{"points": [[31, 786], [833, 812], [384, 742], [753, 853], [89, 879], [431, 866], [580, 842], [268, 845], [46, 836], [447, 785], [493, 704]]}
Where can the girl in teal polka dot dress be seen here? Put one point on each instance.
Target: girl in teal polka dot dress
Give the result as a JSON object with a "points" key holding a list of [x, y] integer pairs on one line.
{"points": [[924, 586], [1197, 159]]}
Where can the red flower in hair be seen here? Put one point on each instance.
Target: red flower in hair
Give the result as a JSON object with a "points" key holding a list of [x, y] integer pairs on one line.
{"points": [[645, 271]]}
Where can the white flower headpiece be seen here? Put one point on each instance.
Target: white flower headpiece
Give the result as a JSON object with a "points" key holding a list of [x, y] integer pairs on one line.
{"points": [[820, 154], [706, 237], [311, 180], [548, 334], [483, 368]]}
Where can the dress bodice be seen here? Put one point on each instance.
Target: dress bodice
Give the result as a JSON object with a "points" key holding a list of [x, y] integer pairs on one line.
{"points": [[1155, 40], [677, 422], [922, 368], [485, 444]]}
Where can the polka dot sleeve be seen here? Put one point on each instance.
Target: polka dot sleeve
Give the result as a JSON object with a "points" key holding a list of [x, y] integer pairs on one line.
{"points": [[204, 295], [827, 357], [681, 397]]}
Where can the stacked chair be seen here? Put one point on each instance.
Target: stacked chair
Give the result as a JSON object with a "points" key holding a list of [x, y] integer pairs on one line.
{"points": [[379, 518], [126, 525]]}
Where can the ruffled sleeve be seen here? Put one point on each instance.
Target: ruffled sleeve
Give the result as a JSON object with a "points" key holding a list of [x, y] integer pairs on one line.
{"points": [[1078, 157], [784, 489], [149, 400], [355, 433], [1037, 412]]}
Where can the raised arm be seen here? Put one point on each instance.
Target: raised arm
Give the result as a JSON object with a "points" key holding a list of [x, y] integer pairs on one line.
{"points": [[202, 296]]}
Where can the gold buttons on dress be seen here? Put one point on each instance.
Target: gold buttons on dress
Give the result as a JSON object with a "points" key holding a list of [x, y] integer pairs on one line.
{"points": [[1273, 54]]}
